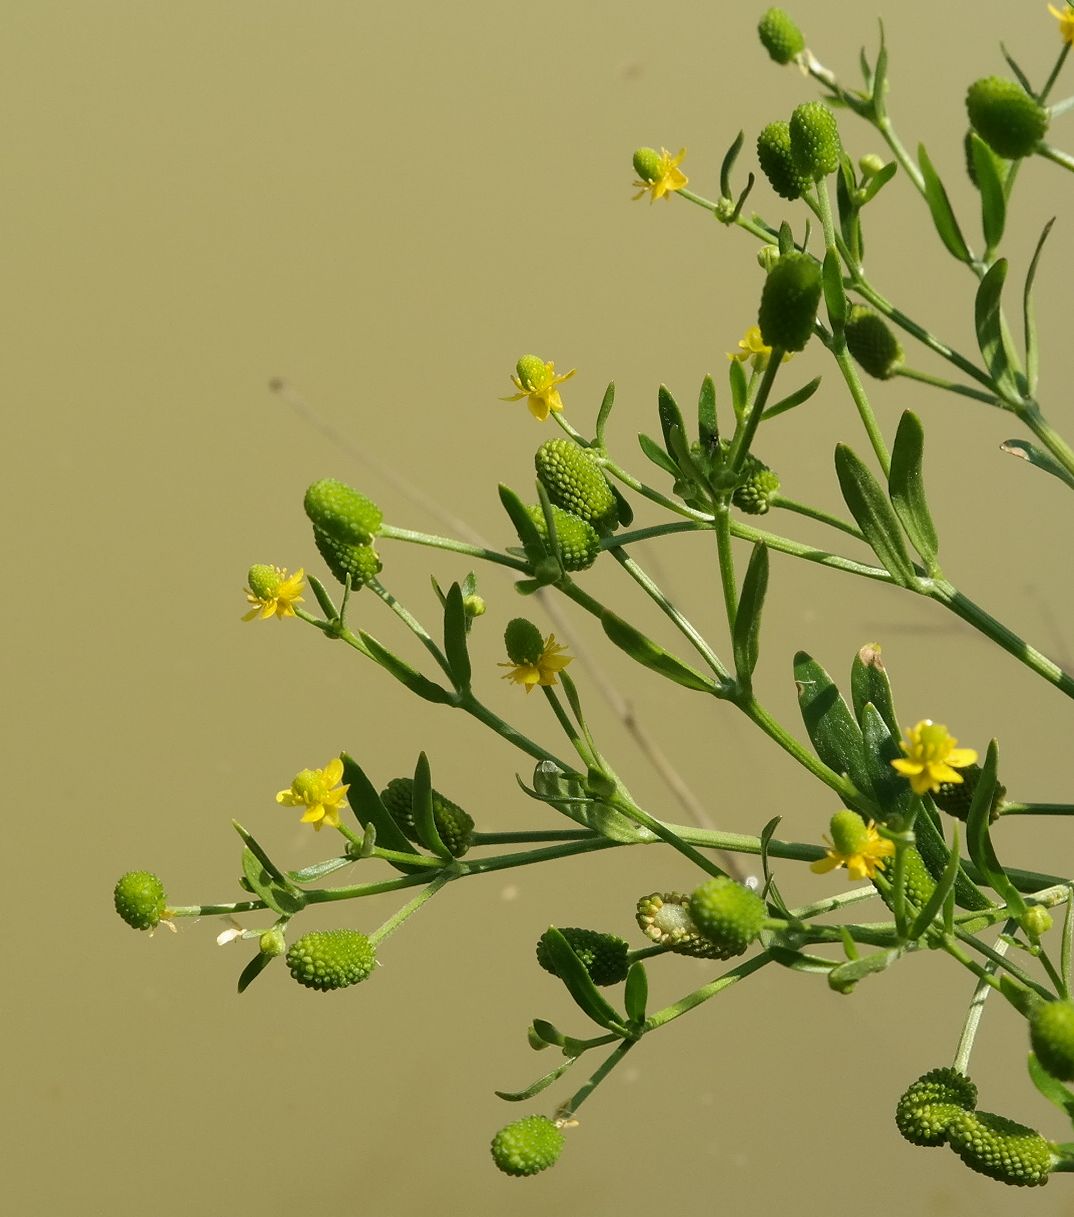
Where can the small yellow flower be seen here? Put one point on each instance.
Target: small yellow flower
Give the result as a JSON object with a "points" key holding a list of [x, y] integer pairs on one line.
{"points": [[752, 346], [536, 381], [273, 592], [542, 671], [856, 845], [658, 175], [1065, 17], [931, 757], [318, 791]]}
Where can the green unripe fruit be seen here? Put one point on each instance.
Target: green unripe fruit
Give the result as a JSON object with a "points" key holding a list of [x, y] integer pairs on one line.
{"points": [[955, 797], [527, 1147], [647, 164], [579, 542], [780, 37], [574, 481], [1001, 1149], [272, 942], [343, 513], [523, 641], [729, 915], [604, 955], [455, 826], [1051, 1032], [777, 161], [262, 580], [139, 899], [918, 882], [664, 917], [929, 1105], [872, 343], [360, 562], [754, 495], [331, 959], [789, 302], [1004, 115], [815, 142]]}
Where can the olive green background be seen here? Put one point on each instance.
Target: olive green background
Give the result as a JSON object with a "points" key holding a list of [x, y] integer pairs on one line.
{"points": [[386, 207]]}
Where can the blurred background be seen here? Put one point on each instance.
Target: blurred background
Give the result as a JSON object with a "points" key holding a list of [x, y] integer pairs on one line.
{"points": [[384, 206]]}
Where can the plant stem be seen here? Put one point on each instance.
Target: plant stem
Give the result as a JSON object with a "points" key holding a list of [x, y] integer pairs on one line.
{"points": [[692, 1000], [458, 547]]}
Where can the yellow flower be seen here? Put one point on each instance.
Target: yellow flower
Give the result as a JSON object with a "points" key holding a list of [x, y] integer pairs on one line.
{"points": [[536, 381], [318, 792], [658, 175], [273, 592], [931, 757], [856, 845], [1065, 17], [542, 670]]}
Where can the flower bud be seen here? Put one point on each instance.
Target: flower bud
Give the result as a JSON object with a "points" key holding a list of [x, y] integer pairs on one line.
{"points": [[815, 142], [1051, 1032], [929, 1105], [729, 915], [331, 959], [343, 513], [767, 257], [139, 899], [579, 541], [872, 343], [780, 37], [527, 1147], [955, 797], [664, 917], [1005, 116], [272, 942], [360, 562], [455, 826], [575, 482], [604, 955], [474, 606], [1036, 921], [647, 167], [1001, 1149], [870, 165], [523, 641], [789, 302], [754, 495], [777, 162]]}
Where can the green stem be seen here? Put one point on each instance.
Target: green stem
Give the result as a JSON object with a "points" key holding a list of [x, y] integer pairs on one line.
{"points": [[1060, 60], [1033, 418], [408, 910], [449, 543], [926, 378], [816, 513], [532, 836], [774, 730], [997, 957], [576, 1100], [476, 709], [699, 996], [1037, 809], [726, 563], [215, 910], [412, 624], [973, 1016]]}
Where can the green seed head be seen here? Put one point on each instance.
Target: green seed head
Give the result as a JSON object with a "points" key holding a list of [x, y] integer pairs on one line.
{"points": [[455, 826], [1004, 115], [575, 482], [523, 641], [331, 959], [777, 162], [527, 1147], [1000, 1148], [342, 513], [780, 37], [789, 302], [755, 493], [1051, 1032], [931, 1103], [263, 580], [530, 370], [604, 955], [729, 915], [815, 142], [872, 343], [579, 541], [664, 917], [139, 899], [955, 797], [849, 833], [647, 164], [360, 562]]}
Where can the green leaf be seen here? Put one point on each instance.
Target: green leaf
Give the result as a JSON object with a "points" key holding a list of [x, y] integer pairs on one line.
{"points": [[657, 455], [979, 840], [366, 805], [570, 969], [944, 885], [323, 598], [845, 976], [1051, 1087], [730, 156], [874, 515], [622, 508], [878, 181], [651, 655], [935, 854], [253, 970], [771, 892], [786, 239], [794, 399], [518, 1096], [1040, 460], [422, 808], [458, 656], [276, 892], [986, 166], [604, 412], [318, 870], [548, 1033], [906, 487], [943, 217], [891, 790], [835, 298], [1023, 79], [1029, 319], [745, 642], [991, 338], [878, 85], [524, 526], [708, 432], [670, 416], [869, 685], [567, 794], [832, 729], [846, 188], [404, 673], [799, 961], [736, 377], [636, 993]]}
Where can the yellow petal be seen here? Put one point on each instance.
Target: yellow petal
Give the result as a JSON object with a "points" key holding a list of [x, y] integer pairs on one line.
{"points": [[333, 771], [961, 757], [315, 813], [824, 864], [907, 767]]}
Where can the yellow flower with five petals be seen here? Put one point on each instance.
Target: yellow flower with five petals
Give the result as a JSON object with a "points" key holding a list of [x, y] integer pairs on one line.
{"points": [[538, 383], [856, 845], [753, 347], [931, 757], [319, 792], [272, 591], [539, 670], [658, 173]]}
